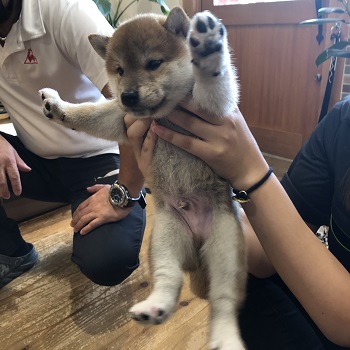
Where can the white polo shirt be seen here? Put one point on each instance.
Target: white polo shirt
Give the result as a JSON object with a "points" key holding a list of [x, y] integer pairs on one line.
{"points": [[49, 47]]}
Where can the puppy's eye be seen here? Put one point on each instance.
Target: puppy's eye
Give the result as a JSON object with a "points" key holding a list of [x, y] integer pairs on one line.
{"points": [[153, 64], [120, 71]]}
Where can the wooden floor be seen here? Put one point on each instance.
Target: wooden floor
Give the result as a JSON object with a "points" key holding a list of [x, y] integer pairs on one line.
{"points": [[53, 306]]}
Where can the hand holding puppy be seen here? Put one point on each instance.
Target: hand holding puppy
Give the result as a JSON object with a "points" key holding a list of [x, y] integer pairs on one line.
{"points": [[225, 144]]}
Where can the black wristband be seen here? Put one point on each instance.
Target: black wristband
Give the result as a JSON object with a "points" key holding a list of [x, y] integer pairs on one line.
{"points": [[243, 196]]}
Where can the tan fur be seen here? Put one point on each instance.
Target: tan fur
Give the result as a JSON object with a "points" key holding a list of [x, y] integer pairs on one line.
{"points": [[197, 227]]}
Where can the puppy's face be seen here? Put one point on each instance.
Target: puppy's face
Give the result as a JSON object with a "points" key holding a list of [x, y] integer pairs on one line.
{"points": [[149, 63]]}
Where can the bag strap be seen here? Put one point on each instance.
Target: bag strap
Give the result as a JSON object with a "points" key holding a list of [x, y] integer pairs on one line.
{"points": [[319, 36], [335, 36]]}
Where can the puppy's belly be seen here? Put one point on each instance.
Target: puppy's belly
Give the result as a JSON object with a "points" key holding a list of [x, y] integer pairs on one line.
{"points": [[194, 212]]}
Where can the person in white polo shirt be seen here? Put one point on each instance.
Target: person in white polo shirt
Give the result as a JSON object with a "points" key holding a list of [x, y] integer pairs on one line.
{"points": [[44, 43]]}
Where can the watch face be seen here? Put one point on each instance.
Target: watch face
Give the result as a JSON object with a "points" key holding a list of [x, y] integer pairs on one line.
{"points": [[117, 195]]}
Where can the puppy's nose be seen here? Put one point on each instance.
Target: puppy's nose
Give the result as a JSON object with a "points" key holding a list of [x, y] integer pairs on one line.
{"points": [[130, 98]]}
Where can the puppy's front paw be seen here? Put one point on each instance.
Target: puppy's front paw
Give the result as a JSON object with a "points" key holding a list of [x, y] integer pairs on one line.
{"points": [[208, 42], [52, 104], [151, 312]]}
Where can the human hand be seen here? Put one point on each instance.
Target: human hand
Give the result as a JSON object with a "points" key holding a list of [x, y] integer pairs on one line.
{"points": [[10, 165], [142, 140], [225, 144], [96, 211]]}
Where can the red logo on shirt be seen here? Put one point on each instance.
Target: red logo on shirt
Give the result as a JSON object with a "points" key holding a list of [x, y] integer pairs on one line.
{"points": [[31, 59]]}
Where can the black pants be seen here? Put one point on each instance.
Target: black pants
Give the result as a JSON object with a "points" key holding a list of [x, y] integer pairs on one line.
{"points": [[106, 255], [273, 319]]}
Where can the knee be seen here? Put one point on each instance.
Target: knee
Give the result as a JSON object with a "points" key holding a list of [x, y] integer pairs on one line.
{"points": [[109, 254], [108, 269]]}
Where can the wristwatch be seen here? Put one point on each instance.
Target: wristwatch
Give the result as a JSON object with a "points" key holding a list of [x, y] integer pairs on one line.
{"points": [[119, 196]]}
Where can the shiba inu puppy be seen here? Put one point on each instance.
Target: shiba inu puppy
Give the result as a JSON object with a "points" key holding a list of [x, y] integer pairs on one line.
{"points": [[197, 227]]}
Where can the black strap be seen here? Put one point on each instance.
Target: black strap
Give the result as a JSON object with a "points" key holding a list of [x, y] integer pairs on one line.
{"points": [[327, 94], [142, 201], [319, 36], [243, 196]]}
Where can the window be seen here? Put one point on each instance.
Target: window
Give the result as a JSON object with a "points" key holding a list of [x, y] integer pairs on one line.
{"points": [[241, 2], [261, 12]]}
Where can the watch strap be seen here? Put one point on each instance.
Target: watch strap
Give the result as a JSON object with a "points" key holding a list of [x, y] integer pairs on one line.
{"points": [[142, 200], [132, 200]]}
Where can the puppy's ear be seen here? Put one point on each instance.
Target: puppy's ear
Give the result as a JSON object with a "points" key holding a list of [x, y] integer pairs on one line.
{"points": [[99, 43], [177, 22]]}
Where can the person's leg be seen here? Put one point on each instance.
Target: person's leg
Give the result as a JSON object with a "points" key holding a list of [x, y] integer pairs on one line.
{"points": [[16, 255], [270, 319], [11, 242], [35, 185], [110, 253], [43, 181]]}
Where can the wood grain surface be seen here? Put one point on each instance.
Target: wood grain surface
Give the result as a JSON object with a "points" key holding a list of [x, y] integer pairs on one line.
{"points": [[54, 306]]}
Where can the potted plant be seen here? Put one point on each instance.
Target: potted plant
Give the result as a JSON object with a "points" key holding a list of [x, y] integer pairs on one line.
{"points": [[113, 18], [338, 49]]}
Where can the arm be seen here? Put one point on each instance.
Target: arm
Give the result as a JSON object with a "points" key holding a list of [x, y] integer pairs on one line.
{"points": [[292, 248], [129, 173], [322, 288], [97, 210], [259, 265]]}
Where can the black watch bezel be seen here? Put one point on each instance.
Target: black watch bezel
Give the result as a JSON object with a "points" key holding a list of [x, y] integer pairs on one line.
{"points": [[119, 196]]}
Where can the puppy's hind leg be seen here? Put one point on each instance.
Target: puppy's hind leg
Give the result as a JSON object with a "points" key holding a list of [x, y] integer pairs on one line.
{"points": [[225, 258], [167, 251]]}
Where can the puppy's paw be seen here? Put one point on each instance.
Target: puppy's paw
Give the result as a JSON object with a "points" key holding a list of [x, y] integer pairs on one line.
{"points": [[226, 344], [52, 104], [225, 336], [208, 42], [151, 312]]}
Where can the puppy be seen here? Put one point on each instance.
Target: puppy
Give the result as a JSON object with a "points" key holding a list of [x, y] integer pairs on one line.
{"points": [[197, 227]]}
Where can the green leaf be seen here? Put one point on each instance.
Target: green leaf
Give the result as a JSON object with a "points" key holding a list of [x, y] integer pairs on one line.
{"points": [[104, 6], [321, 21], [336, 50], [163, 6], [119, 13], [328, 10]]}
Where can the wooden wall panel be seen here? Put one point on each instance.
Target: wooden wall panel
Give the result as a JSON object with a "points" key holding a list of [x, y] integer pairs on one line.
{"points": [[278, 79], [191, 6], [275, 142], [279, 12], [275, 57]]}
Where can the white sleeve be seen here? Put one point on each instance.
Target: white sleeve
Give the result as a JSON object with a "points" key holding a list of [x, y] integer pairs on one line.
{"points": [[80, 19]]}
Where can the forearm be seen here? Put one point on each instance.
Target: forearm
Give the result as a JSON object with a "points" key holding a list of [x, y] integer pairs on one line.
{"points": [[258, 263], [129, 173], [313, 274]]}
